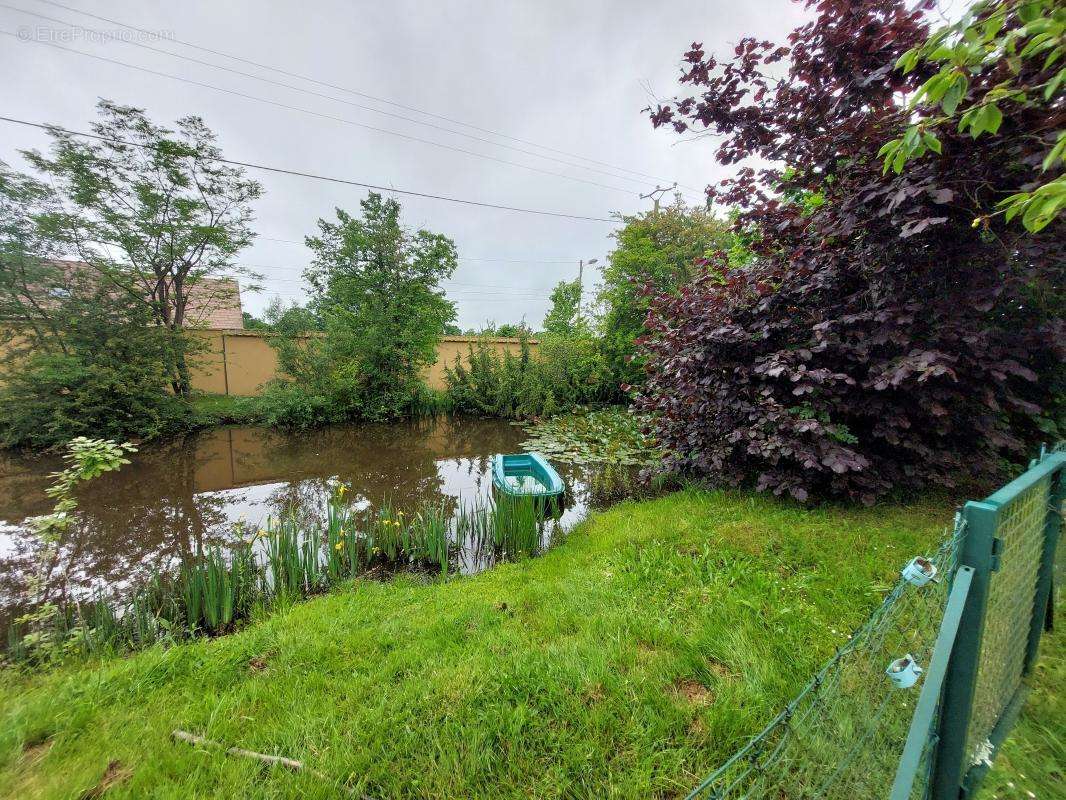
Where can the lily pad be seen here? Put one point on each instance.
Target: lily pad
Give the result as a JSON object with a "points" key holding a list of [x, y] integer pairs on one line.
{"points": [[611, 435]]}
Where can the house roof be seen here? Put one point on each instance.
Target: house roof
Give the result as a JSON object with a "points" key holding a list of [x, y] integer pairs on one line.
{"points": [[213, 302]]}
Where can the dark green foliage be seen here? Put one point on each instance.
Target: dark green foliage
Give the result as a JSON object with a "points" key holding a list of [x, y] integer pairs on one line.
{"points": [[508, 330], [30, 236], [105, 376], [291, 319], [377, 311], [253, 323], [512, 330], [286, 404], [162, 201], [84, 353], [567, 371], [564, 316]]}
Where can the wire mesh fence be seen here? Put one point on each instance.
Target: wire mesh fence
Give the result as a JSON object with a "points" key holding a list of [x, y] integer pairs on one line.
{"points": [[845, 734], [1010, 610]]}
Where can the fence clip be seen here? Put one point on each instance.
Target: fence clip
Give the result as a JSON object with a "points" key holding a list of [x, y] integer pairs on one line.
{"points": [[919, 571], [904, 672]]}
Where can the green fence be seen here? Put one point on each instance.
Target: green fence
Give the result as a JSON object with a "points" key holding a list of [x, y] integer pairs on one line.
{"points": [[972, 631]]}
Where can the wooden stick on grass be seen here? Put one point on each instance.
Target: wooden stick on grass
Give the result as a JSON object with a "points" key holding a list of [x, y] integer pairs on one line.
{"points": [[275, 760], [291, 763]]}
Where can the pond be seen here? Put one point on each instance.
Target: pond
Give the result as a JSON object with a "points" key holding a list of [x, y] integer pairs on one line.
{"points": [[183, 496]]}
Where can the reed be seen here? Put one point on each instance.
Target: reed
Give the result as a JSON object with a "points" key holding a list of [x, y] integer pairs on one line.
{"points": [[214, 591]]}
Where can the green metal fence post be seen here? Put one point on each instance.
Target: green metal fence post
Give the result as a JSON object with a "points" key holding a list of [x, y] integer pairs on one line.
{"points": [[1042, 597], [922, 721], [950, 764]]}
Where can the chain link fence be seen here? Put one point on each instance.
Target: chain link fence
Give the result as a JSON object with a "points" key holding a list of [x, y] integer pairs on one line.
{"points": [[861, 729]]}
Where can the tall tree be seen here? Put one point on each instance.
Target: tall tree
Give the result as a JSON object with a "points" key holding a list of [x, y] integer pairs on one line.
{"points": [[657, 251], [80, 358], [878, 338], [161, 201], [564, 316], [29, 239], [376, 289]]}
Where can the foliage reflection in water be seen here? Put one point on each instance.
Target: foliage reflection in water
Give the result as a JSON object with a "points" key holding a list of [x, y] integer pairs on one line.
{"points": [[218, 520], [208, 491]]}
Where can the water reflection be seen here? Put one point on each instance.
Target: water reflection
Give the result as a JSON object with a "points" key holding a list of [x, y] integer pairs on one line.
{"points": [[184, 495]]}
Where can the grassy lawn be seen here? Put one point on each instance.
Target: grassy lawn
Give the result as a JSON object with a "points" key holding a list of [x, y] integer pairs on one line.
{"points": [[627, 662]]}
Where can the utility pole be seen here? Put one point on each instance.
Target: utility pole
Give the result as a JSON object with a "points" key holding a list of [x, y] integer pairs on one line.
{"points": [[581, 281], [656, 193]]}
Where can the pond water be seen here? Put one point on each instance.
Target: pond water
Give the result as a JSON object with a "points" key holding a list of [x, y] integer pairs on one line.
{"points": [[185, 495]]}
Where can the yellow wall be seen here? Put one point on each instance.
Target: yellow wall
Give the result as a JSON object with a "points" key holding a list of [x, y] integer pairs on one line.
{"points": [[239, 362]]}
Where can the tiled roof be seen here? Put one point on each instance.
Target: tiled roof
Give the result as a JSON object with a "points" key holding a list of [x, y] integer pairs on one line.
{"points": [[213, 302]]}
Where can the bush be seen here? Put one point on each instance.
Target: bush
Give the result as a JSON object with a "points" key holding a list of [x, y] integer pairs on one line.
{"points": [[117, 390], [892, 330], [284, 404], [566, 372]]}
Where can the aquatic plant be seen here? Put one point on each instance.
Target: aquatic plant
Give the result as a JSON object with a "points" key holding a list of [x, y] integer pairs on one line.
{"points": [[612, 435], [86, 459], [215, 591]]}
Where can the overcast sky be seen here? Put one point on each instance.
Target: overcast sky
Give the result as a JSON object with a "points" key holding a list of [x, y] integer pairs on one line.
{"points": [[563, 75]]}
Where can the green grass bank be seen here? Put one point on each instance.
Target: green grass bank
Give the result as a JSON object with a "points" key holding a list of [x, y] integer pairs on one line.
{"points": [[626, 662]]}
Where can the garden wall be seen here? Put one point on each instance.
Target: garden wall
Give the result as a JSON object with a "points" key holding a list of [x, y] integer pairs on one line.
{"points": [[238, 362]]}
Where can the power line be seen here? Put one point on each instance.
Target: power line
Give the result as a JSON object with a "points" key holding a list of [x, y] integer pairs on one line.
{"points": [[462, 259], [320, 114], [454, 289], [357, 93], [329, 97], [573, 260], [313, 176]]}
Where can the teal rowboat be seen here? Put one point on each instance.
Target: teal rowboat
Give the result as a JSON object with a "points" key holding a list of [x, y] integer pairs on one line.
{"points": [[525, 475]]}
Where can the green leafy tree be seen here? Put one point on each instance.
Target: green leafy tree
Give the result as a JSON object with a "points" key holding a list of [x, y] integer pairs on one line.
{"points": [[291, 318], [565, 372], [512, 330], [80, 358], [28, 241], [104, 374], [1003, 62], [162, 201], [564, 316], [376, 290], [254, 323], [661, 249]]}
